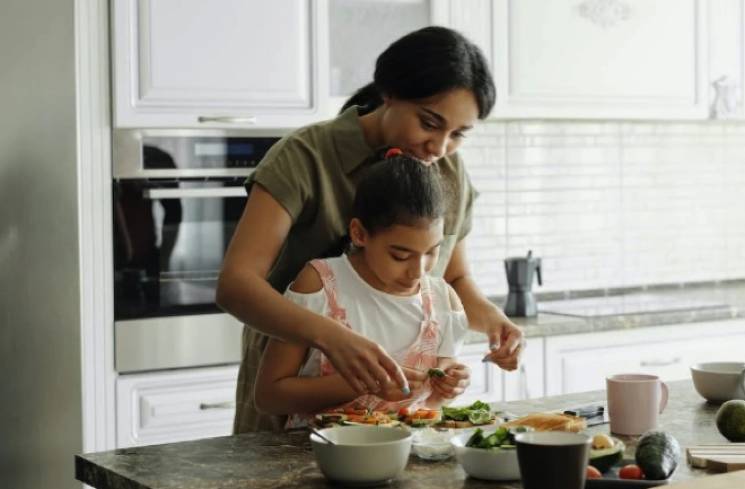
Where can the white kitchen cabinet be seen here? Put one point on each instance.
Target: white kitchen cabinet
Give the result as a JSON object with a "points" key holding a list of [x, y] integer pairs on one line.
{"points": [[486, 379], [527, 381], [359, 30], [234, 63], [577, 363], [166, 407], [600, 58]]}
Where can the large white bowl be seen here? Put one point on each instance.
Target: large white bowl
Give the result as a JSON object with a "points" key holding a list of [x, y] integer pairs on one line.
{"points": [[362, 455], [494, 464], [719, 381]]}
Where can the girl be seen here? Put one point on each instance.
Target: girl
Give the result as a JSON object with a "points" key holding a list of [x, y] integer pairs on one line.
{"points": [[430, 87], [379, 290]]}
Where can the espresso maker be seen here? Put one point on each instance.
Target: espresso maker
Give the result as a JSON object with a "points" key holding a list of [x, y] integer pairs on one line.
{"points": [[520, 271]]}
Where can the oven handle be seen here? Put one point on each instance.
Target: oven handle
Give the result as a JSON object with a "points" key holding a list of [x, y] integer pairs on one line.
{"points": [[227, 119], [194, 193]]}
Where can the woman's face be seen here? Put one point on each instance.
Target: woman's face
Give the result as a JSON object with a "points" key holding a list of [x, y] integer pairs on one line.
{"points": [[393, 259], [428, 129]]}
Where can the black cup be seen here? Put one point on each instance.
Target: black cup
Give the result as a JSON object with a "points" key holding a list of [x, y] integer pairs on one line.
{"points": [[553, 459]]}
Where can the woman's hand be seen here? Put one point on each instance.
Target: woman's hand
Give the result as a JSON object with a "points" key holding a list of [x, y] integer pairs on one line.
{"points": [[456, 380], [506, 342], [392, 391], [364, 364]]}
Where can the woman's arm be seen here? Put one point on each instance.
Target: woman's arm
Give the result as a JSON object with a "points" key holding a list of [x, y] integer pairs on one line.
{"points": [[244, 292], [505, 338]]}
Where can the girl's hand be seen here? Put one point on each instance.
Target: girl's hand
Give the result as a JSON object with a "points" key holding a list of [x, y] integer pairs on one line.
{"points": [[456, 380], [364, 364], [392, 392]]}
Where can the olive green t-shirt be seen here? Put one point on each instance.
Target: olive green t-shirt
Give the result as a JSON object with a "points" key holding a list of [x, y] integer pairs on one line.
{"points": [[313, 173]]}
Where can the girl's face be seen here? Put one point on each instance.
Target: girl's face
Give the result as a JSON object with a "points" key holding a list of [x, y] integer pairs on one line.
{"points": [[394, 259], [428, 129]]}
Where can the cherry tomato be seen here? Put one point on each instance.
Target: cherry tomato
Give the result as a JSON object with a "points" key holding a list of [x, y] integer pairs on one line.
{"points": [[593, 473], [403, 412], [630, 471]]}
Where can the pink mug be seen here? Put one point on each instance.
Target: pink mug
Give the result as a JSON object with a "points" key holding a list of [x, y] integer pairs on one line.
{"points": [[635, 402]]}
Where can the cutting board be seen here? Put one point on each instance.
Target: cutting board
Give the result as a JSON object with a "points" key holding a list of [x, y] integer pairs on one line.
{"points": [[733, 480], [723, 457]]}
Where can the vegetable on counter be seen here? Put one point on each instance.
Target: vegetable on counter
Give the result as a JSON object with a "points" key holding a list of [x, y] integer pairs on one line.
{"points": [[605, 452], [657, 454]]}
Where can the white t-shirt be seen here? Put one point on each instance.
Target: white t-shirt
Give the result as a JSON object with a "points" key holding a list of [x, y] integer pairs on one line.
{"points": [[392, 321]]}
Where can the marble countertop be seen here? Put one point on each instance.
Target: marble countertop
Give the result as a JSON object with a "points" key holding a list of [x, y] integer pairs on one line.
{"points": [[726, 299], [270, 460]]}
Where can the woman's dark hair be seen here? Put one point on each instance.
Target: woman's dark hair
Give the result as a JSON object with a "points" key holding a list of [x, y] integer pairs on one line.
{"points": [[398, 190], [424, 63]]}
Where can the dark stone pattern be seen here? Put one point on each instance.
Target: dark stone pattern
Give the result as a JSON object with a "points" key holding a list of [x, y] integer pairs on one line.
{"points": [[731, 293], [285, 460]]}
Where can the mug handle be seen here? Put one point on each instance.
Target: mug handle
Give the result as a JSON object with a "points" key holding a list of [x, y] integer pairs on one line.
{"points": [[742, 381], [663, 398]]}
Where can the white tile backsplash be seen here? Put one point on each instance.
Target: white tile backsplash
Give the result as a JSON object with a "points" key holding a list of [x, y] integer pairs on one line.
{"points": [[608, 204]]}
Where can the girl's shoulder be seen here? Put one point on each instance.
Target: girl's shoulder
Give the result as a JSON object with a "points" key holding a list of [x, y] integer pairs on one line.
{"points": [[308, 281], [445, 295]]}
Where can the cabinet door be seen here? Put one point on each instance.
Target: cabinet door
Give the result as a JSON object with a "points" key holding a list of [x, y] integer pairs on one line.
{"points": [[577, 363], [601, 58], [527, 381], [169, 407], [224, 62], [359, 30], [486, 380]]}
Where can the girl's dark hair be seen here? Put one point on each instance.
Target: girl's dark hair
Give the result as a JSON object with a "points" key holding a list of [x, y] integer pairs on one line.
{"points": [[424, 63], [398, 190]]}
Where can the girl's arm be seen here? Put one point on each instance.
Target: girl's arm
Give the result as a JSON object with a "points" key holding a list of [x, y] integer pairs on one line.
{"points": [[505, 337], [244, 292], [280, 391]]}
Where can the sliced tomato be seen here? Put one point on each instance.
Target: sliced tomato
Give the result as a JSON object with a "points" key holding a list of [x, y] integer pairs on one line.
{"points": [[593, 473], [425, 414], [631, 471], [403, 412]]}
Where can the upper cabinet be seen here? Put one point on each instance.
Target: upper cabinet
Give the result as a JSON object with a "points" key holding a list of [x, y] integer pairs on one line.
{"points": [[600, 58], [191, 63]]}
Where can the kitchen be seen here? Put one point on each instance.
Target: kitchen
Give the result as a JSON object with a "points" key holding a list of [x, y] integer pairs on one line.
{"points": [[624, 180]]}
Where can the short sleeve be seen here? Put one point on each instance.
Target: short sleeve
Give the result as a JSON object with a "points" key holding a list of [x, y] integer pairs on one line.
{"points": [[469, 194], [286, 172], [315, 301], [453, 331]]}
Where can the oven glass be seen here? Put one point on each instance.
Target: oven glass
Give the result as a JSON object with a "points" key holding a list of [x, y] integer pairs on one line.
{"points": [[169, 242]]}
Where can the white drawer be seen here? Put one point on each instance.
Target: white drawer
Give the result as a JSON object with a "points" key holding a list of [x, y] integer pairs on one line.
{"points": [[175, 406]]}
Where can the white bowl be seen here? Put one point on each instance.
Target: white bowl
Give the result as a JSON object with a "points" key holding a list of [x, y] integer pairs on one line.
{"points": [[490, 464], [719, 381], [433, 445], [362, 455]]}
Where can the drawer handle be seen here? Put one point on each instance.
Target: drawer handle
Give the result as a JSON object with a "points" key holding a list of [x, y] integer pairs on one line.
{"points": [[217, 405], [659, 363], [227, 119]]}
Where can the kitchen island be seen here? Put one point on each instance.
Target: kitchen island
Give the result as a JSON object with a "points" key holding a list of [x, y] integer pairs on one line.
{"points": [[285, 460]]}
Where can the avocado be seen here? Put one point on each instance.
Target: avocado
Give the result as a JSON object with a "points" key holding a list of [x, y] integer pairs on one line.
{"points": [[605, 458], [731, 420], [657, 454]]}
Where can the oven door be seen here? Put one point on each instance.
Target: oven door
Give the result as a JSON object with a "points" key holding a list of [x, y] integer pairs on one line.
{"points": [[170, 238]]}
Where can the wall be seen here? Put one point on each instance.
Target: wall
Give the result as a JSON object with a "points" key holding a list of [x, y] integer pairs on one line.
{"points": [[40, 381], [608, 204]]}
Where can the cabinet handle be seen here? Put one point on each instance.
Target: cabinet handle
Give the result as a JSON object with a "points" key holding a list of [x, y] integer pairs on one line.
{"points": [[217, 405], [659, 363], [227, 119]]}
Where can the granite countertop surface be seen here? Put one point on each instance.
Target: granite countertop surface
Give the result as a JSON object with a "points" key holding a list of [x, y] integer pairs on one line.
{"points": [[285, 460], [722, 300]]}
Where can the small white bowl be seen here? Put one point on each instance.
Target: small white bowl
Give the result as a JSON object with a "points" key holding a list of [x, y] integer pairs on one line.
{"points": [[433, 445], [490, 464], [362, 455], [719, 381]]}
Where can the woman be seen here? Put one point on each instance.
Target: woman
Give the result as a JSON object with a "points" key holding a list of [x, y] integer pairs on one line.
{"points": [[429, 89]]}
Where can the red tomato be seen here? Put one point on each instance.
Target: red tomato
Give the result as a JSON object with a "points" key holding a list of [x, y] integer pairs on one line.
{"points": [[593, 473], [630, 471], [403, 412]]}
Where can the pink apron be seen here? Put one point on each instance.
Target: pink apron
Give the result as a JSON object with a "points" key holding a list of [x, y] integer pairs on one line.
{"points": [[421, 355]]}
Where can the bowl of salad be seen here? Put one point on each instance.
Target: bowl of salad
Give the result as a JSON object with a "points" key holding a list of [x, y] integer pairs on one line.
{"points": [[489, 454]]}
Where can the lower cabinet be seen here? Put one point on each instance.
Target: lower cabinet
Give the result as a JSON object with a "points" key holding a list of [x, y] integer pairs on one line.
{"points": [[165, 407], [581, 362]]}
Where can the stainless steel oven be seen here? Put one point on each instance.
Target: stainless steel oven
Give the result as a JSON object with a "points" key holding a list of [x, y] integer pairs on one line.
{"points": [[177, 198]]}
